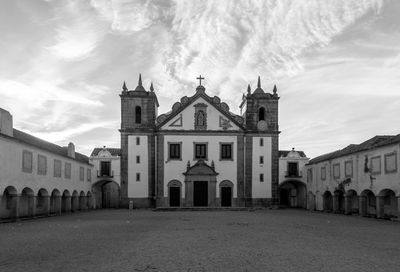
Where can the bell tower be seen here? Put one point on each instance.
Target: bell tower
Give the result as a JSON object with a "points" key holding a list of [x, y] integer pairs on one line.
{"points": [[138, 115]]}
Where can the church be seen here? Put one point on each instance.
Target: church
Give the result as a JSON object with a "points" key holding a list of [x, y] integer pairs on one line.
{"points": [[199, 154]]}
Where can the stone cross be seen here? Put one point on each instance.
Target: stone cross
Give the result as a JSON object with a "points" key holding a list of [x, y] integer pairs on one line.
{"points": [[200, 78]]}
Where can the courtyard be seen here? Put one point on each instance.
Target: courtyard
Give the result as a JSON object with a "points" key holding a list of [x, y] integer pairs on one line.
{"points": [[144, 240]]}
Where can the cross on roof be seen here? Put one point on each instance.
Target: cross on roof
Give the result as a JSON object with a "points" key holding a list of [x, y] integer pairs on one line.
{"points": [[200, 78]]}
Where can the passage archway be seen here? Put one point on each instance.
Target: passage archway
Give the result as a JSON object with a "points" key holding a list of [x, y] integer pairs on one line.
{"points": [[66, 202], [107, 194], [226, 193], [367, 203], [338, 201], [292, 193], [42, 202], [327, 201], [387, 204], [27, 203], [351, 202], [9, 203], [55, 202], [74, 201], [311, 201], [82, 201]]}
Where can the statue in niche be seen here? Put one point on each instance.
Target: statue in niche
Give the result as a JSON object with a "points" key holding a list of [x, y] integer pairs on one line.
{"points": [[200, 119]]}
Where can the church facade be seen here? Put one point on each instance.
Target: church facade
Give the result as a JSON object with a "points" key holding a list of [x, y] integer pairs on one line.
{"points": [[199, 154]]}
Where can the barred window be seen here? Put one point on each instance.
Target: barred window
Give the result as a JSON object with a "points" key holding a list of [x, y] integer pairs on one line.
{"points": [[226, 151]]}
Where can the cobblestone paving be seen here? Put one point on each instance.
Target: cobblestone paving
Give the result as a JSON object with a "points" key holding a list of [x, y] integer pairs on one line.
{"points": [[264, 240]]}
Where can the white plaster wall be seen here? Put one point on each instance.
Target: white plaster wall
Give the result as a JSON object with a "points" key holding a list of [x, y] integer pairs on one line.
{"points": [[11, 173], [188, 118], [262, 189], [283, 161], [173, 169], [138, 188], [115, 167], [360, 180]]}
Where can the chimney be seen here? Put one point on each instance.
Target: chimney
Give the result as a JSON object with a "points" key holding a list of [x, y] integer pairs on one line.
{"points": [[6, 123], [71, 150]]}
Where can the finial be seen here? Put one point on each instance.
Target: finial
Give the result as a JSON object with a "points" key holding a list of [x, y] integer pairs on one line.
{"points": [[140, 80], [275, 89], [259, 82], [151, 87], [248, 89], [124, 88], [212, 165], [188, 165]]}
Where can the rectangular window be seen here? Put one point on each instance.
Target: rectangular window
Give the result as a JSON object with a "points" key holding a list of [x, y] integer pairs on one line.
{"points": [[27, 161], [348, 169], [261, 177], [261, 159], [57, 168], [226, 151], [391, 163], [323, 173], [376, 165], [174, 150], [137, 159], [336, 171], [293, 169], [81, 173], [67, 170], [89, 175], [137, 176], [200, 151], [137, 140], [309, 175], [261, 142], [42, 165], [105, 168]]}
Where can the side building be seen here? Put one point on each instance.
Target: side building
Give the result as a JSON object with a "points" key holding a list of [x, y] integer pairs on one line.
{"points": [[38, 178], [199, 154], [359, 179]]}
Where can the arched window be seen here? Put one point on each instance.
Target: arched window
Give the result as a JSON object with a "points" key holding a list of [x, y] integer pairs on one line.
{"points": [[261, 114], [138, 115]]}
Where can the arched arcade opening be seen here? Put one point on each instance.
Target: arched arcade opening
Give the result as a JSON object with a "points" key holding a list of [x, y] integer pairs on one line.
{"points": [[387, 204], [292, 193], [106, 194]]}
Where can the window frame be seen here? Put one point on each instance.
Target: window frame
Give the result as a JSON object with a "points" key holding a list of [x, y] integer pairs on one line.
{"points": [[345, 169], [221, 157], [195, 158], [42, 172], [137, 177], [27, 168], [81, 173], [137, 140], [323, 170], [387, 171], [67, 174], [54, 168], [89, 174], [333, 170], [261, 177], [379, 171], [169, 151]]}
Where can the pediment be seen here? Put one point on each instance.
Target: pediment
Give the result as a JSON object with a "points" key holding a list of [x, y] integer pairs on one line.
{"points": [[200, 168], [200, 112]]}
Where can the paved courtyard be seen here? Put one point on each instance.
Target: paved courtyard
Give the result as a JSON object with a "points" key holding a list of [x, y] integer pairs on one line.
{"points": [[264, 240]]}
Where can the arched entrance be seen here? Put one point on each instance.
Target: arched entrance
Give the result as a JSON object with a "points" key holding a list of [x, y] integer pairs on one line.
{"points": [[89, 199], [107, 194], [174, 193], [319, 202], [293, 193], [387, 204], [55, 202], [367, 203], [74, 201], [351, 202], [66, 202], [338, 201], [9, 203], [27, 203], [226, 193], [82, 201], [327, 201], [42, 202]]}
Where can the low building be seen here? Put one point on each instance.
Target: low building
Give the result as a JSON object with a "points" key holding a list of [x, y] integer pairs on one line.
{"points": [[359, 179], [292, 182], [38, 178], [107, 180]]}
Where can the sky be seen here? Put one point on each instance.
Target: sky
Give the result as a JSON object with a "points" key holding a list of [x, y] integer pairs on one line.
{"points": [[336, 64]]}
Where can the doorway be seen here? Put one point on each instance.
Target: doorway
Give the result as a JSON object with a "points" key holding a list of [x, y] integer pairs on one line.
{"points": [[174, 196], [200, 194], [226, 196]]}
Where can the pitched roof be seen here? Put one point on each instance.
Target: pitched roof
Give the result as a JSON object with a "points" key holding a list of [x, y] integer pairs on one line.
{"points": [[42, 144], [113, 151], [284, 153], [374, 142]]}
